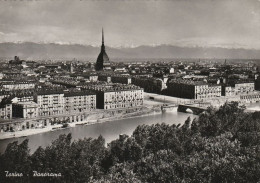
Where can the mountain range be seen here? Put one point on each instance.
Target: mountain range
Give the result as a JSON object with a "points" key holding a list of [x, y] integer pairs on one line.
{"points": [[30, 51]]}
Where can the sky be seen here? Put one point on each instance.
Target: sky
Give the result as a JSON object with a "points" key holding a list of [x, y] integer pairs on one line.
{"points": [[131, 23]]}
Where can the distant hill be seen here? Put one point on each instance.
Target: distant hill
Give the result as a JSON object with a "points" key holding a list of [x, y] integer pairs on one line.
{"points": [[29, 50]]}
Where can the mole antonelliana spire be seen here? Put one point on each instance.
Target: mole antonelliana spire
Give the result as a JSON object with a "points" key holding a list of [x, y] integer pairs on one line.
{"points": [[102, 36], [103, 62]]}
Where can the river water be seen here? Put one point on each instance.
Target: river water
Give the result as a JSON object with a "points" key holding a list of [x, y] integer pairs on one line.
{"points": [[253, 107], [109, 130]]}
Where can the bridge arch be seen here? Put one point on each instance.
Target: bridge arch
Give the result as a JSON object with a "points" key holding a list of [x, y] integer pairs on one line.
{"points": [[189, 110]]}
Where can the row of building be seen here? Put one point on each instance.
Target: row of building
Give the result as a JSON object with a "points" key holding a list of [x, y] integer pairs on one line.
{"points": [[190, 88], [201, 90], [48, 103], [8, 85], [58, 102]]}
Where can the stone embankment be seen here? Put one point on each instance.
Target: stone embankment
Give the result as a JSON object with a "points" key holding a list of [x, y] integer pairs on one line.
{"points": [[93, 117]]}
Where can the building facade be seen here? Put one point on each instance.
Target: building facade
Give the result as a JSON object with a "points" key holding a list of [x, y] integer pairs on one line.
{"points": [[113, 96], [227, 90], [244, 88], [25, 110], [50, 102], [120, 99], [250, 98], [76, 102], [6, 111], [192, 89]]}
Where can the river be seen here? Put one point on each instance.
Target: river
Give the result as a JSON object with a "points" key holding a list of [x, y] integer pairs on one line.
{"points": [[109, 130], [253, 107]]}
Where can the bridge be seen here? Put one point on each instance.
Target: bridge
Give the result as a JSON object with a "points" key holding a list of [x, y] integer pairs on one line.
{"points": [[169, 107], [196, 108]]}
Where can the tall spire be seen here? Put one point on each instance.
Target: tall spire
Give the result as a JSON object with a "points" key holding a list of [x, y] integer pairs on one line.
{"points": [[103, 45], [102, 36], [103, 62]]}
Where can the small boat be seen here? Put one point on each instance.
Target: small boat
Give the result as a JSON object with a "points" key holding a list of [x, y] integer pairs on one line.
{"points": [[81, 124], [56, 128]]}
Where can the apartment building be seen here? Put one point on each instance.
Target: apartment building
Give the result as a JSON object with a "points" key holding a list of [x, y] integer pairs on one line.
{"points": [[244, 88], [6, 111], [50, 102], [192, 89], [113, 96], [80, 101], [25, 110]]}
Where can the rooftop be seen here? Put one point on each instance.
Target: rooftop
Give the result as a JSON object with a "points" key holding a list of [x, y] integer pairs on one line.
{"points": [[106, 87], [78, 93], [27, 103], [49, 92], [188, 82]]}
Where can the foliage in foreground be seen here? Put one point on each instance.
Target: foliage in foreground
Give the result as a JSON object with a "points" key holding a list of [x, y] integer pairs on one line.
{"points": [[220, 146]]}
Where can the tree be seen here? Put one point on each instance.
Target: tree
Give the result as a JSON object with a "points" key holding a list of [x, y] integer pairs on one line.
{"points": [[16, 159], [220, 146]]}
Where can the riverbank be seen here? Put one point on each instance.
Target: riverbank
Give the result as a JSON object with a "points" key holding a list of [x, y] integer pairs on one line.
{"points": [[100, 119], [255, 107]]}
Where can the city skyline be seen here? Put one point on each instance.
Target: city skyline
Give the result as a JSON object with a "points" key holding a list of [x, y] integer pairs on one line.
{"points": [[129, 91], [204, 23]]}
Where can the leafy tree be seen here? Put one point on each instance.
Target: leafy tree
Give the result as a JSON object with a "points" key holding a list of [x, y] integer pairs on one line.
{"points": [[16, 159], [220, 146]]}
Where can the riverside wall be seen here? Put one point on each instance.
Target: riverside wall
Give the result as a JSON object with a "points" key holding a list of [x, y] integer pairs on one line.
{"points": [[87, 117]]}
